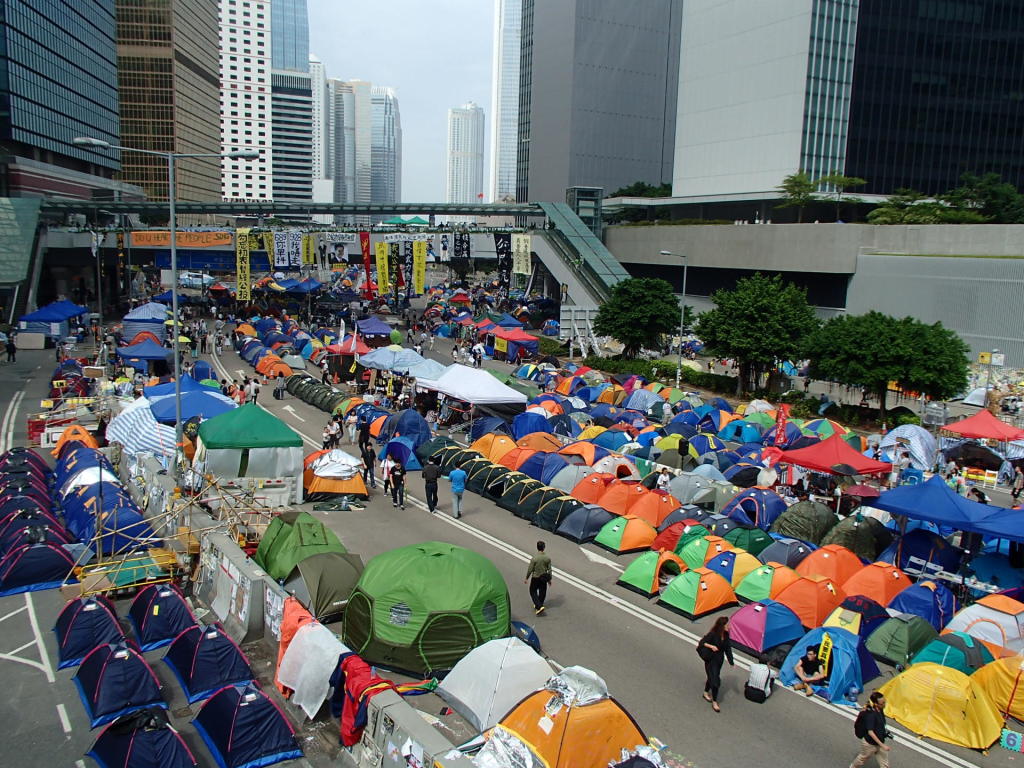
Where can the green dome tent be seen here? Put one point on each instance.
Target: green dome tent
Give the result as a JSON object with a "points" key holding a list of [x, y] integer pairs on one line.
{"points": [[806, 520], [290, 538], [421, 608], [898, 639]]}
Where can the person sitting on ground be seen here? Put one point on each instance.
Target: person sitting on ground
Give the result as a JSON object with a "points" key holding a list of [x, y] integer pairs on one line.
{"points": [[809, 670]]}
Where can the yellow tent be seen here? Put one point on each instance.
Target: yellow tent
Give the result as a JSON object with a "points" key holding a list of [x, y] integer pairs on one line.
{"points": [[493, 445], [591, 432], [943, 703], [1003, 681]]}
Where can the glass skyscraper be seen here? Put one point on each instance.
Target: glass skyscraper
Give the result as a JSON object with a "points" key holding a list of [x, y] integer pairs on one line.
{"points": [[385, 147], [508, 19], [289, 38]]}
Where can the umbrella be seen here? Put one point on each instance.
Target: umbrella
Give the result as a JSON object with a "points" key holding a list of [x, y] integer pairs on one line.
{"points": [[864, 491], [844, 469]]}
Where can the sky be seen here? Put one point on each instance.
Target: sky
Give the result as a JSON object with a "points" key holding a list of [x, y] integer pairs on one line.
{"points": [[436, 54]]}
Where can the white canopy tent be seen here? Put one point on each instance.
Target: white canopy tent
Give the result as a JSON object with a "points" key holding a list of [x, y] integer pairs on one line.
{"points": [[472, 385]]}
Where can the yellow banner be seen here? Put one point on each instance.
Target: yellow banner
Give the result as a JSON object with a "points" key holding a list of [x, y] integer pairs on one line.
{"points": [[242, 243], [382, 267], [309, 249], [419, 267], [268, 246], [155, 239], [825, 650], [500, 345], [520, 254]]}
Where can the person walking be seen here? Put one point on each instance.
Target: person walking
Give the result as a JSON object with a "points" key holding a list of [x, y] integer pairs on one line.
{"points": [[1018, 483], [431, 474], [538, 576], [352, 422], [12, 349], [253, 390], [457, 477], [714, 648], [369, 477], [280, 386], [397, 485], [869, 727]]}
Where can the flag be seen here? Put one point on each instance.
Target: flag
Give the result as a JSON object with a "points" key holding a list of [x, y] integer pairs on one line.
{"points": [[364, 245], [419, 267], [382, 267], [244, 290]]}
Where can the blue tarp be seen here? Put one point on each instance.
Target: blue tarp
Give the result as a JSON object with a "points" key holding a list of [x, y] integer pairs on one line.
{"points": [[123, 527], [56, 312], [188, 384], [144, 350], [373, 327], [204, 405]]}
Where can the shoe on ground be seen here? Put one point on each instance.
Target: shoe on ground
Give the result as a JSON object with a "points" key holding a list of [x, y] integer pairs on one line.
{"points": [[539, 611], [395, 506], [799, 686], [403, 506]]}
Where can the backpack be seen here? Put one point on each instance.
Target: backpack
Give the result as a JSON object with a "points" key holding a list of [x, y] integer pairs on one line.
{"points": [[860, 725]]}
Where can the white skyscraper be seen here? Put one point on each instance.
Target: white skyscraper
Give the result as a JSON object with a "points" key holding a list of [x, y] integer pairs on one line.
{"points": [[351, 116], [386, 146], [505, 98], [465, 154], [323, 184], [245, 109]]}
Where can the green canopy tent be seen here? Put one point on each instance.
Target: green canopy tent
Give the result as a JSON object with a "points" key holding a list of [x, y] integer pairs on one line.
{"points": [[421, 608], [323, 583], [415, 221], [249, 442], [290, 538], [897, 640]]}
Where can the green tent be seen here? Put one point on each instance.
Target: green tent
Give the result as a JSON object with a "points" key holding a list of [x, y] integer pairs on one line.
{"points": [[247, 427], [645, 573], [421, 608], [324, 582], [696, 593], [864, 536], [957, 650], [898, 639], [805, 520], [290, 538], [758, 584], [753, 540]]}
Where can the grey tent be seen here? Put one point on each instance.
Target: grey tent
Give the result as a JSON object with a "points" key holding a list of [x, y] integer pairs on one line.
{"points": [[324, 582], [583, 524]]}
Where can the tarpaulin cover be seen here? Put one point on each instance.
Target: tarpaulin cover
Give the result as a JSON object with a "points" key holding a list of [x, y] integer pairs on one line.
{"points": [[144, 350]]}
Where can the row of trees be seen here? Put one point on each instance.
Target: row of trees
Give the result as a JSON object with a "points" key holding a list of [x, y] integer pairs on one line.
{"points": [[764, 320]]}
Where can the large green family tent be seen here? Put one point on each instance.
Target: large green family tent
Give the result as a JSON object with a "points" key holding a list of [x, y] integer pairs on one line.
{"points": [[291, 537], [423, 607], [250, 442]]}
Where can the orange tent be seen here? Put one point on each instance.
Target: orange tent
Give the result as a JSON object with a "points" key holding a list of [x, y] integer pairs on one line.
{"points": [[377, 425], [246, 330], [559, 737], [619, 495], [590, 488], [626, 534], [583, 449], [654, 507], [551, 406], [76, 433], [142, 336], [812, 599], [994, 620], [834, 561], [493, 445], [514, 459], [337, 486], [540, 441], [879, 581], [613, 395]]}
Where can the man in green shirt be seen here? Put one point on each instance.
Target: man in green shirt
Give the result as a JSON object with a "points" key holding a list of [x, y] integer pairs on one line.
{"points": [[538, 574]]}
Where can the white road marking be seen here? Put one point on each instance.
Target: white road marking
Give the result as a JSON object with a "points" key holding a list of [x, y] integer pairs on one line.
{"points": [[906, 739], [293, 413], [596, 558], [62, 713], [79, 763], [34, 621], [15, 612], [9, 421]]}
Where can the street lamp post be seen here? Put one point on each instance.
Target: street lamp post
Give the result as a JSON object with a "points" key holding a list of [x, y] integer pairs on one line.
{"points": [[172, 157], [682, 316]]}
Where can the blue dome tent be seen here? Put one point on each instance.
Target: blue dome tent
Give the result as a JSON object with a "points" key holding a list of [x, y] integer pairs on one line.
{"points": [[158, 614], [400, 449], [755, 506], [85, 624], [121, 525], [850, 665], [527, 423], [204, 660], [32, 567], [408, 424], [114, 680], [142, 740], [244, 729], [930, 600]]}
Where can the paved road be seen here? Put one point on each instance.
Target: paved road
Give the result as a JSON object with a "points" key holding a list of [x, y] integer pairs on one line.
{"points": [[645, 652]]}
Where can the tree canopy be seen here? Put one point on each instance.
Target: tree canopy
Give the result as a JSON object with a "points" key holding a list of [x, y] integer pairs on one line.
{"points": [[996, 200], [797, 192], [908, 206], [759, 322], [639, 311], [873, 349], [643, 189]]}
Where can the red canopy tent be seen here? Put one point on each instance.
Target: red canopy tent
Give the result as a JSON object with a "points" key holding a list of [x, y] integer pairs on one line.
{"points": [[821, 457], [985, 426], [345, 347]]}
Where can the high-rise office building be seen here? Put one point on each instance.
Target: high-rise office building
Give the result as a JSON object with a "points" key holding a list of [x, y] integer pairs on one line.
{"points": [[508, 19], [321, 127], [245, 98], [385, 146], [351, 117], [169, 90], [597, 94], [289, 22], [58, 81], [902, 93], [291, 101], [465, 154]]}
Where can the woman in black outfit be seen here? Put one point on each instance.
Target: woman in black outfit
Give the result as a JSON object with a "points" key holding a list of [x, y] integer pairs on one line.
{"points": [[714, 648]]}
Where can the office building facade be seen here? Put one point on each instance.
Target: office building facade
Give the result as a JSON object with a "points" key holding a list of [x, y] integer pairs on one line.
{"points": [[169, 89], [385, 146], [58, 81], [508, 19], [350, 114], [597, 94], [465, 183], [289, 20], [292, 135], [902, 93], [245, 98]]}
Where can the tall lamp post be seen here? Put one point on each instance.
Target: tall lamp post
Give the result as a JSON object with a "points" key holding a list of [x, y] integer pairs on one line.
{"points": [[172, 157], [682, 316]]}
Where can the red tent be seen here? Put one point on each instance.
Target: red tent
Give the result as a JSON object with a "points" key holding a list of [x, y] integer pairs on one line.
{"points": [[984, 425], [345, 347], [821, 457]]}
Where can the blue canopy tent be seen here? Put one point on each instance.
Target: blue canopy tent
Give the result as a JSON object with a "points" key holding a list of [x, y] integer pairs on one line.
{"points": [[146, 317], [373, 327], [53, 320], [158, 614], [507, 321], [114, 680], [144, 350], [204, 405], [84, 624], [921, 549], [850, 665], [188, 384], [936, 502], [244, 729], [204, 660]]}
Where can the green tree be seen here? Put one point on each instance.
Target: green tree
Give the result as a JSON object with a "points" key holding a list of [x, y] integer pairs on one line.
{"points": [[797, 192], [759, 322], [838, 183], [873, 349], [638, 313], [991, 197], [908, 206], [643, 189]]}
